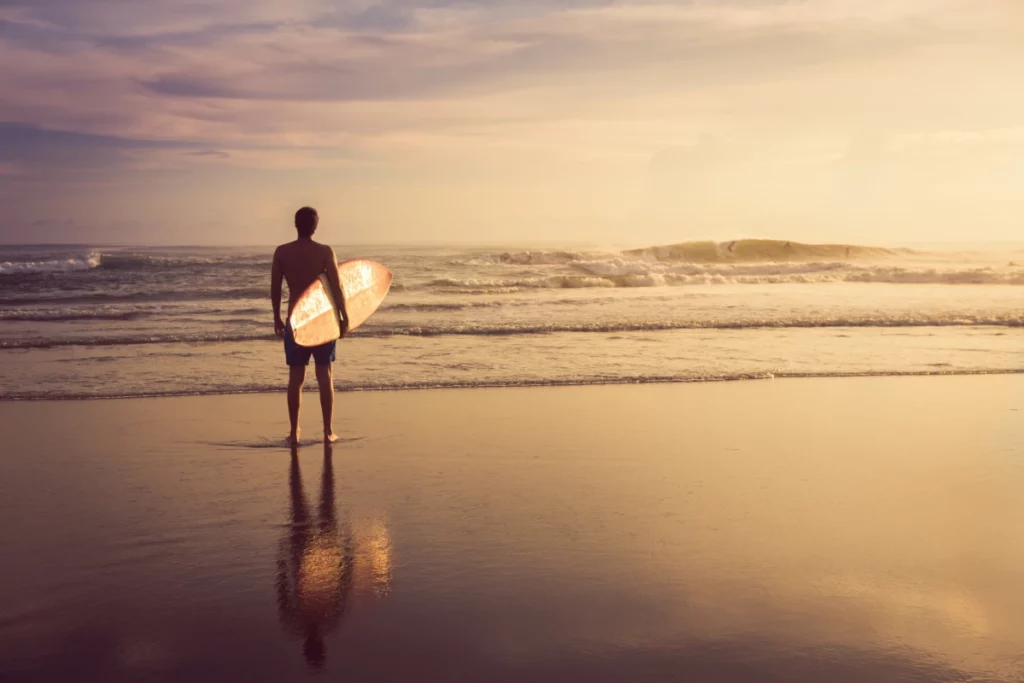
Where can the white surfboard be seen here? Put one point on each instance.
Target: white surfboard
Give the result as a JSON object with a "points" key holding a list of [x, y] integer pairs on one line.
{"points": [[314, 317]]}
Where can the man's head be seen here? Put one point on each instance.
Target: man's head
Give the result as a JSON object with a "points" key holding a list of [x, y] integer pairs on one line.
{"points": [[306, 220]]}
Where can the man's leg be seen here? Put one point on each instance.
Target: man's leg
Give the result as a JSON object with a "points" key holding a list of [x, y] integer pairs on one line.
{"points": [[296, 377], [325, 379]]}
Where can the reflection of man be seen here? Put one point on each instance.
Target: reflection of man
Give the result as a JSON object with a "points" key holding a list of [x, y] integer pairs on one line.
{"points": [[314, 566]]}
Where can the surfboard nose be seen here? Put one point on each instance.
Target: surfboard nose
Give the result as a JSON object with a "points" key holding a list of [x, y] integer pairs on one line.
{"points": [[364, 284]]}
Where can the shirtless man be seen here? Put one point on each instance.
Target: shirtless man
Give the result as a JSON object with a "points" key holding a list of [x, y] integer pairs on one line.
{"points": [[300, 263]]}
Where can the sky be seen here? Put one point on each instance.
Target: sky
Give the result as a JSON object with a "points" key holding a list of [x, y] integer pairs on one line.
{"points": [[511, 121]]}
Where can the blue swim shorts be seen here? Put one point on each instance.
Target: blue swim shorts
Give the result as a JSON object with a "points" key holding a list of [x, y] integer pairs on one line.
{"points": [[296, 355]]}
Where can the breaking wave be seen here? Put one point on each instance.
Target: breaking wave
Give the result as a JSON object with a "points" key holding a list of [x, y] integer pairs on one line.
{"points": [[127, 261], [617, 272], [133, 261], [67, 265], [705, 252]]}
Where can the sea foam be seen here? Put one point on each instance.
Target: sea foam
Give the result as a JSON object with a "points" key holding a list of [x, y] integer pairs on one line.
{"points": [[52, 266]]}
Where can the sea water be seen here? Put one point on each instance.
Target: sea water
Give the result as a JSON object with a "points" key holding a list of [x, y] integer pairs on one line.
{"points": [[99, 322]]}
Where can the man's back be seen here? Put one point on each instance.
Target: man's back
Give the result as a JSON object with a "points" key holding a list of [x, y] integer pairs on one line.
{"points": [[301, 262]]}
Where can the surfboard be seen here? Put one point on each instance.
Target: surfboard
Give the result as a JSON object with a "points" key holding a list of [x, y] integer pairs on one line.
{"points": [[314, 318]]}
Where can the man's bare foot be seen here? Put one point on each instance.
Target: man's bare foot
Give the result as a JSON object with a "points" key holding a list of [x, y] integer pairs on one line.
{"points": [[331, 437], [293, 439]]}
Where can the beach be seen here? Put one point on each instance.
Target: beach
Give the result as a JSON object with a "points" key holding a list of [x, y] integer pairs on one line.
{"points": [[654, 342], [826, 529]]}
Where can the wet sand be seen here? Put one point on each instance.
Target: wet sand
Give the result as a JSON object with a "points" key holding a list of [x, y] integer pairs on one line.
{"points": [[798, 530]]}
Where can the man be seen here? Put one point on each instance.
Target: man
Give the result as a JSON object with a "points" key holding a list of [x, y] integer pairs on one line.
{"points": [[300, 263]]}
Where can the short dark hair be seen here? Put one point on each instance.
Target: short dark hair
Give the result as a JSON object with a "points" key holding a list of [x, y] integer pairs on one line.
{"points": [[306, 220]]}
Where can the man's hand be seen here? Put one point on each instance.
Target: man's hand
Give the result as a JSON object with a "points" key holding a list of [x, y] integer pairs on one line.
{"points": [[278, 326], [344, 327]]}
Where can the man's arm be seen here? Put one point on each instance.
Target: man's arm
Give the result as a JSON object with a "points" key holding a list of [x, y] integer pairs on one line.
{"points": [[275, 295], [339, 298]]}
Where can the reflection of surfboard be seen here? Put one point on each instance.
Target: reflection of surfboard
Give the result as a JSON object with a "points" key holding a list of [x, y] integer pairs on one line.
{"points": [[314, 318]]}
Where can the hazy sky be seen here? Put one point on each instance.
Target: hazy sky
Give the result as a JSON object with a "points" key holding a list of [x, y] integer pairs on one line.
{"points": [[179, 121]]}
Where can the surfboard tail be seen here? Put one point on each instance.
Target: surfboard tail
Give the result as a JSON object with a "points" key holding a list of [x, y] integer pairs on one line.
{"points": [[314, 318]]}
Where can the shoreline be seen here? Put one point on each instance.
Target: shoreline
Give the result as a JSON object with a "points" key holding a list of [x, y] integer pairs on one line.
{"points": [[310, 386]]}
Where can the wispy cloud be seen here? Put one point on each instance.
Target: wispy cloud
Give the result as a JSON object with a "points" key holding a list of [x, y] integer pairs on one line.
{"points": [[184, 69], [467, 87]]}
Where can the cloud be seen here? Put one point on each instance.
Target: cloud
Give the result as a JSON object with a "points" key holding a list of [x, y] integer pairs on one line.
{"points": [[446, 53], [320, 51], [29, 147], [572, 99], [209, 153], [369, 74]]}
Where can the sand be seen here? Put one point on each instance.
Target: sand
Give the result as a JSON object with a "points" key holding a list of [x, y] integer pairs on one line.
{"points": [[792, 530]]}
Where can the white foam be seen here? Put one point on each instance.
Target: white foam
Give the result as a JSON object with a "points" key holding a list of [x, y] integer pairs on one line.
{"points": [[55, 266], [619, 272]]}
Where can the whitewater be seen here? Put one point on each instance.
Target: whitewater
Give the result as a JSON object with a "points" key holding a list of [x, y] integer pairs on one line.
{"points": [[103, 322]]}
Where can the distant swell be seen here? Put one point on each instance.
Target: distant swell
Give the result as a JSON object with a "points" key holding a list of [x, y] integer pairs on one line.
{"points": [[538, 329]]}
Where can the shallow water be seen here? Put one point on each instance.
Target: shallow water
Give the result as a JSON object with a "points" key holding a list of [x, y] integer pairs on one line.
{"points": [[86, 322], [798, 530]]}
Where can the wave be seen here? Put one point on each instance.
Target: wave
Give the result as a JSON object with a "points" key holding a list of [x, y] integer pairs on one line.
{"points": [[176, 295], [70, 316], [164, 313], [526, 258], [371, 331], [609, 328], [705, 252], [134, 261], [67, 265], [135, 340], [61, 394], [121, 261], [443, 307], [623, 273], [454, 306], [933, 276], [753, 250]]}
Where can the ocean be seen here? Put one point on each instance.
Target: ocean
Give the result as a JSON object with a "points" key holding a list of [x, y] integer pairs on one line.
{"points": [[85, 322]]}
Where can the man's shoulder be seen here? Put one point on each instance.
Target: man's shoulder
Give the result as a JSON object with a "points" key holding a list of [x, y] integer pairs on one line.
{"points": [[325, 249], [303, 248]]}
